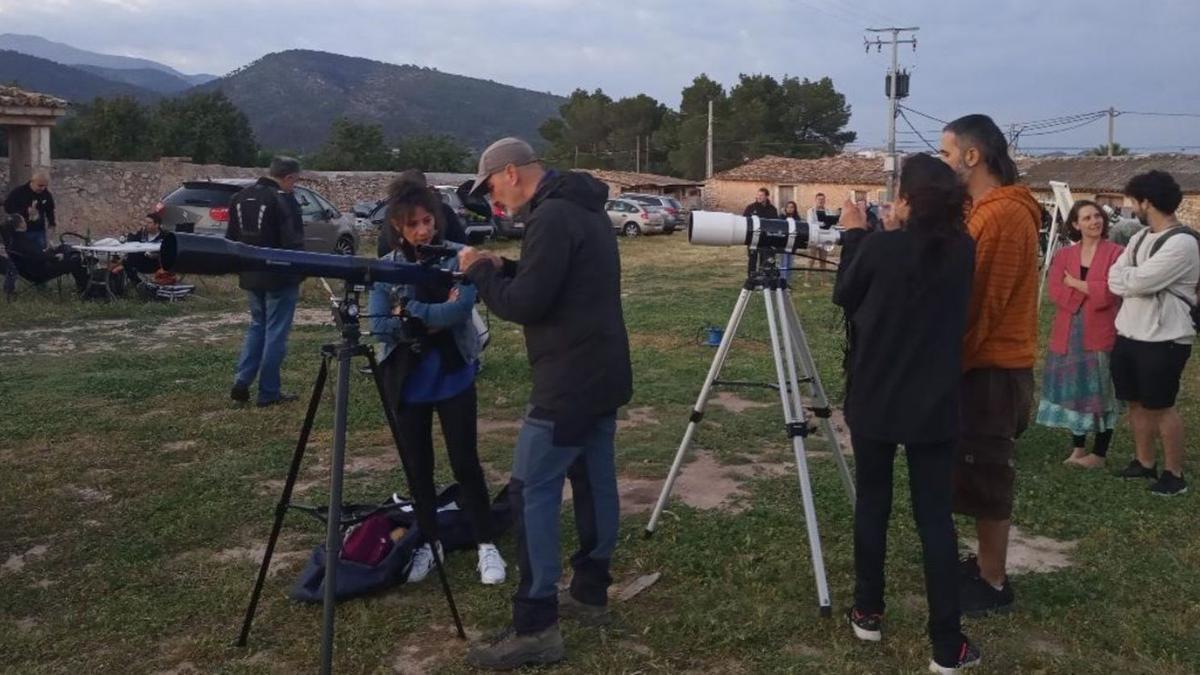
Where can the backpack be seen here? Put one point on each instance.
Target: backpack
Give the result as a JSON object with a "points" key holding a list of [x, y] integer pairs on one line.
{"points": [[1194, 309]]}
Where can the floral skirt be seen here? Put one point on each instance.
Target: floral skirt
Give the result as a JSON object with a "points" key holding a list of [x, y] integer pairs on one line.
{"points": [[1077, 388]]}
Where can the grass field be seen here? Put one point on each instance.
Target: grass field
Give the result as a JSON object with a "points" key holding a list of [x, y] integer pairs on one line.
{"points": [[135, 499]]}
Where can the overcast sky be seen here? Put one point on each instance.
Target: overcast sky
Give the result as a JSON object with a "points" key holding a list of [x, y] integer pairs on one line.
{"points": [[1018, 60]]}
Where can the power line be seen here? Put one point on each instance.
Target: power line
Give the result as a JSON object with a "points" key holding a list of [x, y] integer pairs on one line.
{"points": [[1092, 120], [1157, 114], [928, 117], [914, 130]]}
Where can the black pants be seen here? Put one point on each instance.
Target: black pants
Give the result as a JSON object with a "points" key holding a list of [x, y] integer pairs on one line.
{"points": [[929, 477], [1100, 447], [457, 416]]}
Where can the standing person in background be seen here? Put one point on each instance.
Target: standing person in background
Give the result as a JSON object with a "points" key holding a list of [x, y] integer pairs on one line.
{"points": [[33, 202], [1077, 389], [761, 206], [1157, 277], [267, 214], [999, 350], [790, 210]]}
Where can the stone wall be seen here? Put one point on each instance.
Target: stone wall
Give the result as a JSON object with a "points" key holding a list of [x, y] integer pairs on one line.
{"points": [[111, 197]]}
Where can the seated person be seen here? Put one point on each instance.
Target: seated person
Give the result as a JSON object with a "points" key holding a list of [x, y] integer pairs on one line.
{"points": [[35, 263], [138, 264]]}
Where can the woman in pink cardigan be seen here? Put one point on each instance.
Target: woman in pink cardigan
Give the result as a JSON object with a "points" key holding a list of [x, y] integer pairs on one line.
{"points": [[1077, 389]]}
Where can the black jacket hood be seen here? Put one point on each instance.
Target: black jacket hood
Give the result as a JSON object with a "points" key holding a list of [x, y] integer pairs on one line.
{"points": [[574, 186]]}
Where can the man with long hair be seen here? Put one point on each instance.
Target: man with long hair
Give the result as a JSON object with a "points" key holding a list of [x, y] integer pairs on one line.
{"points": [[999, 350]]}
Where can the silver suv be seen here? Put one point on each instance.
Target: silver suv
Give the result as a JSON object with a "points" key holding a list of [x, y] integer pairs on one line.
{"points": [[674, 214], [202, 207]]}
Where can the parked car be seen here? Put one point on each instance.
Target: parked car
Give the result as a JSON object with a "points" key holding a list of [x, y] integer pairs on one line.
{"points": [[202, 207], [477, 229], [676, 215], [631, 218]]}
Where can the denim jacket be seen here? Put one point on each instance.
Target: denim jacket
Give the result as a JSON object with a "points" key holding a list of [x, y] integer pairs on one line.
{"points": [[454, 316]]}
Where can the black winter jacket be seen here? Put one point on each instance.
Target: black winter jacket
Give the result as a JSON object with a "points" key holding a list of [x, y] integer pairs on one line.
{"points": [[22, 197], [566, 292], [264, 215]]}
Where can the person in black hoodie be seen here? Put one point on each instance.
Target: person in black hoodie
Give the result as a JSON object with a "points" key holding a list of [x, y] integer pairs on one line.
{"points": [[566, 293], [761, 206], [905, 293], [33, 202], [267, 214]]}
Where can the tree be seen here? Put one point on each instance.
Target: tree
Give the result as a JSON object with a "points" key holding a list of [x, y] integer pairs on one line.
{"points": [[116, 130], [687, 156], [1102, 150], [431, 153], [581, 130], [206, 127], [814, 116], [353, 146]]}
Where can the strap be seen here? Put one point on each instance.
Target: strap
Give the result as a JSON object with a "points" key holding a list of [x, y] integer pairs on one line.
{"points": [[1137, 246]]}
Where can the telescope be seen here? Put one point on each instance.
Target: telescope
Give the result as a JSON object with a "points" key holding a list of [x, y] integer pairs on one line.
{"points": [[200, 254], [779, 235]]}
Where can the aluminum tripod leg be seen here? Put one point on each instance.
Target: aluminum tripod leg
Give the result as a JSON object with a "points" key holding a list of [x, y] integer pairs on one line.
{"points": [[714, 371], [793, 413], [816, 394], [333, 528], [285, 499]]}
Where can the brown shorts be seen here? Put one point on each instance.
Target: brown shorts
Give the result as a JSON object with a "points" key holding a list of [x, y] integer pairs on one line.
{"points": [[996, 405]]}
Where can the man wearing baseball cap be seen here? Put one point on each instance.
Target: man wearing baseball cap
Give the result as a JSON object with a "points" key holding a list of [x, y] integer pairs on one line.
{"points": [[565, 292]]}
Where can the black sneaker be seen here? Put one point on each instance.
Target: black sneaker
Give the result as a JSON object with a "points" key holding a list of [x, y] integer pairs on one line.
{"points": [[283, 398], [968, 657], [240, 394], [968, 567], [867, 627], [1169, 485], [585, 614], [979, 598], [1136, 470]]}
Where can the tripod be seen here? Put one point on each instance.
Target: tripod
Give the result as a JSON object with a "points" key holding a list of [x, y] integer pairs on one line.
{"points": [[346, 314], [790, 349]]}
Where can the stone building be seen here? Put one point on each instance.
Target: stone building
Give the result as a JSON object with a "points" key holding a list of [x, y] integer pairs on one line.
{"points": [[686, 192]]}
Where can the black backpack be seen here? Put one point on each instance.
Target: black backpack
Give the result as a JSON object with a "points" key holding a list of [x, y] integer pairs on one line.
{"points": [[1194, 309]]}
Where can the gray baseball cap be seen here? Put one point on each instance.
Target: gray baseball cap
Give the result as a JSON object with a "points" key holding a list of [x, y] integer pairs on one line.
{"points": [[499, 155]]}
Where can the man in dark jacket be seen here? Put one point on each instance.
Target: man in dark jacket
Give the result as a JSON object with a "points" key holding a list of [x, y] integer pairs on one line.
{"points": [[566, 293], [33, 202], [762, 206], [267, 214]]}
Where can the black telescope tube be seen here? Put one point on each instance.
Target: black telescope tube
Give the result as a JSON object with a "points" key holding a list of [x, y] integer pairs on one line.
{"points": [[200, 254]]}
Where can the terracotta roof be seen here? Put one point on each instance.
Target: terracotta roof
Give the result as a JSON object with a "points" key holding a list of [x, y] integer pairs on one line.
{"points": [[839, 170], [13, 97], [632, 179], [1101, 174]]}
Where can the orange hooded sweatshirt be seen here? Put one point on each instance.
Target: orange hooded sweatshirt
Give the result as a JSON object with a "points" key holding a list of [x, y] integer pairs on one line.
{"points": [[1002, 316]]}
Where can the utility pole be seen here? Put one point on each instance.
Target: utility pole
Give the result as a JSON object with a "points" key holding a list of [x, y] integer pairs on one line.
{"points": [[1112, 114], [637, 162], [708, 166], [893, 82]]}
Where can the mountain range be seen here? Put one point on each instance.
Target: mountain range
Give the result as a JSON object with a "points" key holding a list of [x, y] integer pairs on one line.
{"points": [[291, 98]]}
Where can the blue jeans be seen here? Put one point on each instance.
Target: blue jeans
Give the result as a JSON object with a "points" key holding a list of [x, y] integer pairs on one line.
{"points": [[539, 469], [271, 315], [38, 236]]}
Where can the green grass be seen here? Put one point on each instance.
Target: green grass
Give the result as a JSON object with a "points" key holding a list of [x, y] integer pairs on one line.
{"points": [[121, 455]]}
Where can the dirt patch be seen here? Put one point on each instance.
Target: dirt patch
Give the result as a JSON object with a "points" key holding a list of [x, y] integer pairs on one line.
{"points": [[1034, 554], [703, 483], [439, 646], [17, 562], [275, 486], [639, 648], [488, 426], [185, 668], [734, 403], [26, 625], [42, 584], [637, 417], [87, 494], [280, 559], [179, 446]]}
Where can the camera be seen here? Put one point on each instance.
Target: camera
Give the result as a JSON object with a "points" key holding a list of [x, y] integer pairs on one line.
{"points": [[780, 235]]}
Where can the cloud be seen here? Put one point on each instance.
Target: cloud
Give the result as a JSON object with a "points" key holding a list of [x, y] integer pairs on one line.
{"points": [[1015, 59]]}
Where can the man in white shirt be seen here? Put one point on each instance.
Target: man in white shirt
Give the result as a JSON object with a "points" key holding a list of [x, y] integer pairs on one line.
{"points": [[1157, 278]]}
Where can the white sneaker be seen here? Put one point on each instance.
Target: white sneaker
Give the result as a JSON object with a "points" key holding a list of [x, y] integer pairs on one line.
{"points": [[491, 565], [422, 563]]}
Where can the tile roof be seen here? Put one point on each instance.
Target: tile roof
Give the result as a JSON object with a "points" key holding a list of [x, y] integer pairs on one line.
{"points": [[838, 170], [13, 97], [632, 179], [1102, 174]]}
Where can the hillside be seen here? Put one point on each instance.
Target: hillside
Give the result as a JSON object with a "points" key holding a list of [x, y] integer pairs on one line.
{"points": [[71, 56], [292, 97], [145, 78], [73, 84]]}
